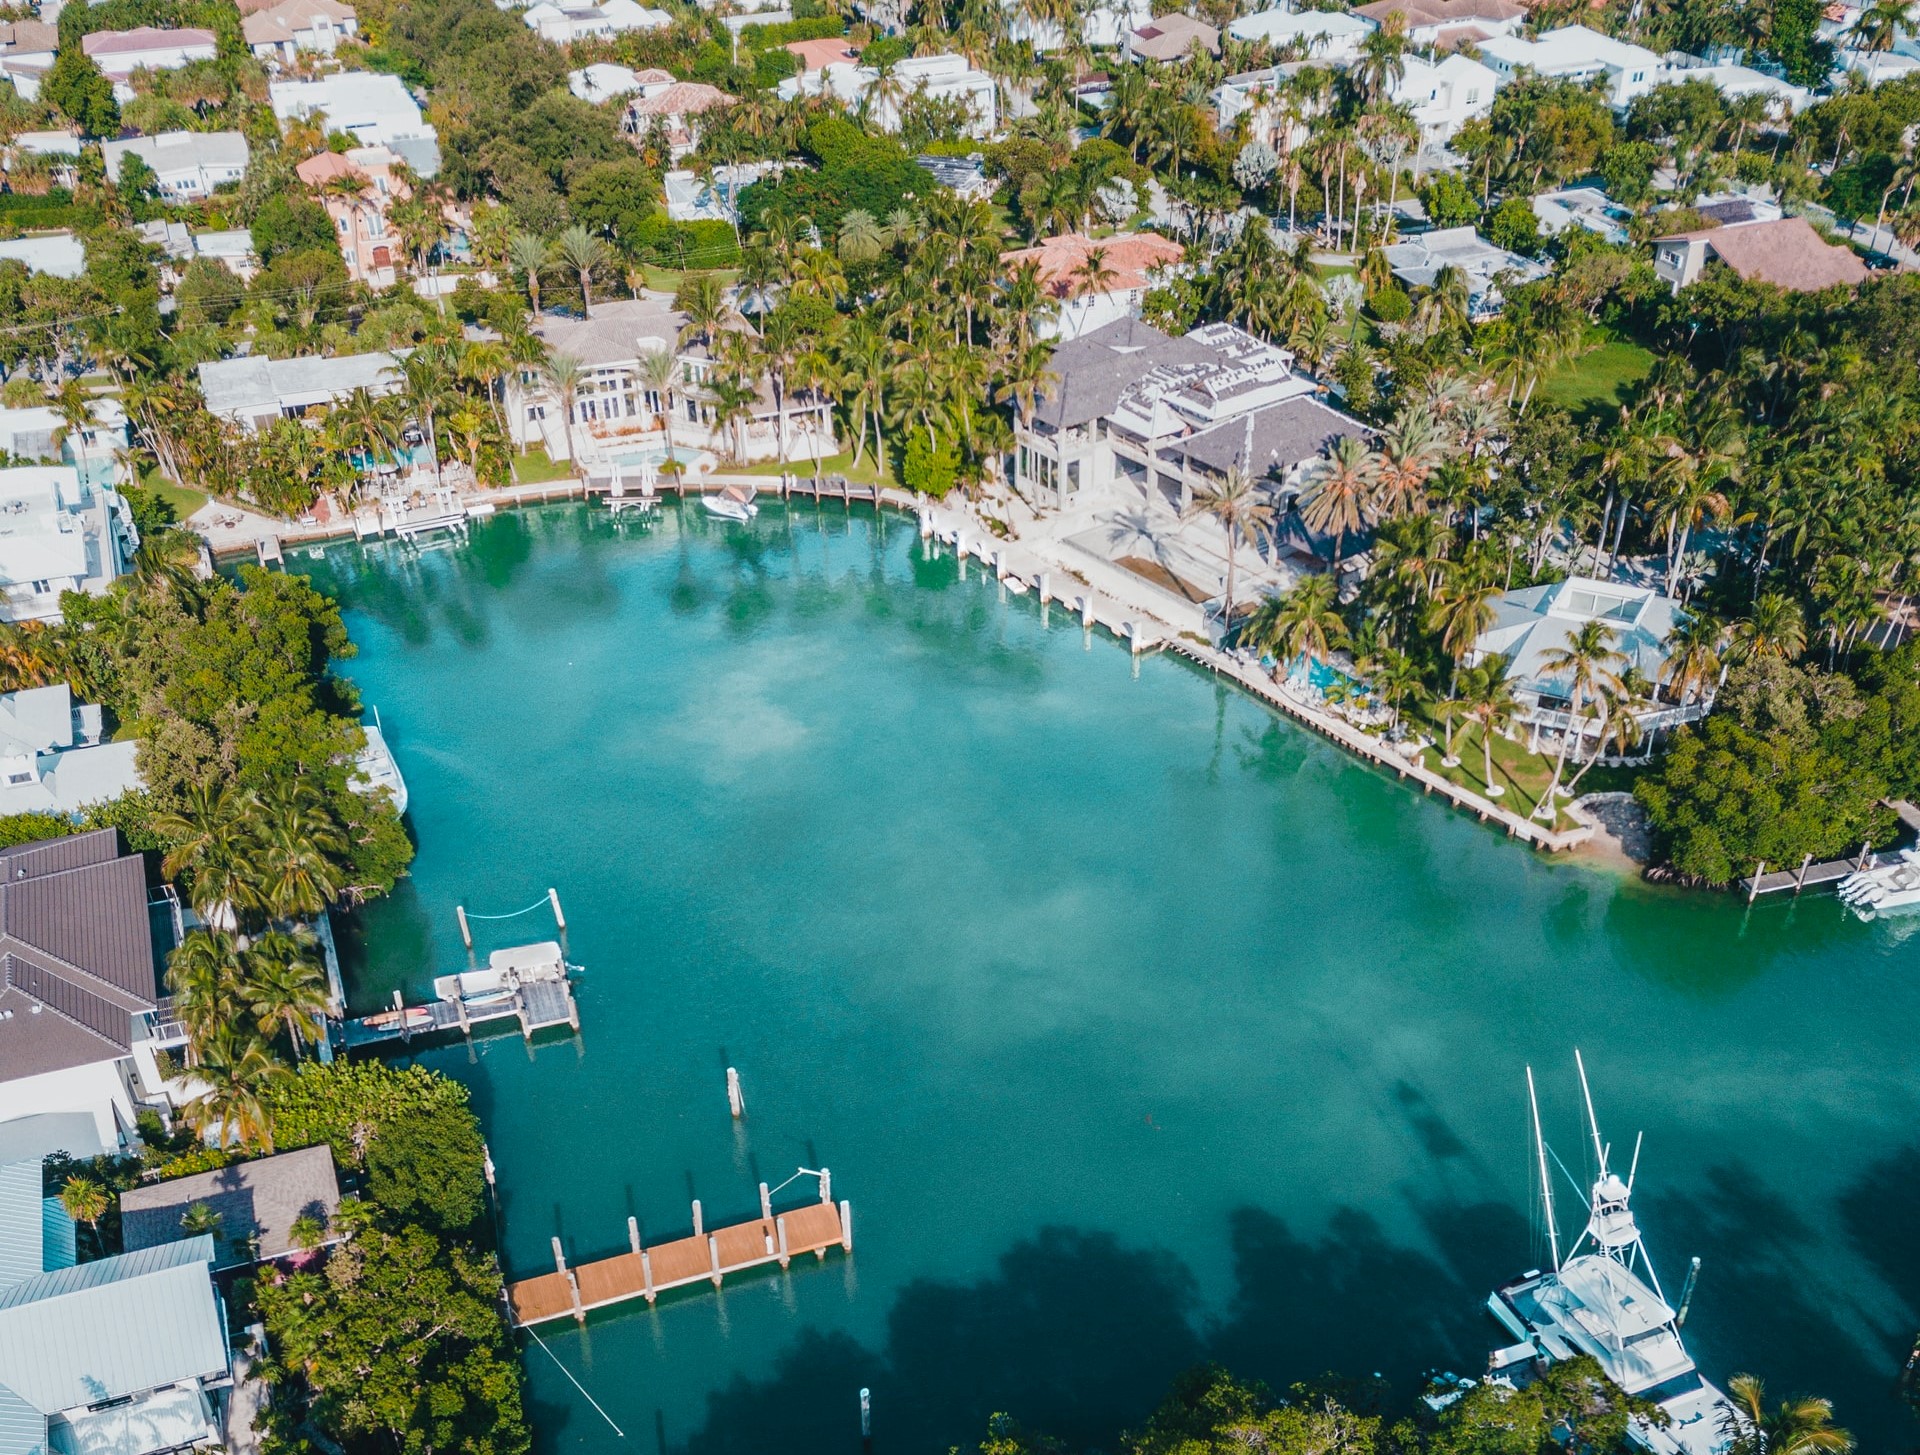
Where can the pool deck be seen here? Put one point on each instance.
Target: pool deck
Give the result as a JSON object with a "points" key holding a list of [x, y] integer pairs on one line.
{"points": [[704, 1257]]}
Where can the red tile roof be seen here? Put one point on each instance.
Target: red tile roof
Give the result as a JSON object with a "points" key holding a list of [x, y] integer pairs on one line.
{"points": [[1787, 253], [143, 38], [817, 55], [1129, 257]]}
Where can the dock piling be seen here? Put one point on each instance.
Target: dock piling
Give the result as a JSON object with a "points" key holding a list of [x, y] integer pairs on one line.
{"points": [[1801, 878], [466, 931], [736, 1103], [633, 1234], [766, 1202], [1753, 888], [559, 1257], [780, 1230], [866, 1414], [699, 1224], [558, 918], [826, 1184], [713, 1252], [846, 1227], [646, 1276]]}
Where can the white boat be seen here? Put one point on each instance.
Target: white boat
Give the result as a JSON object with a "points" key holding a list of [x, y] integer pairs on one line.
{"points": [[1604, 1299], [1883, 886], [375, 769], [734, 502], [507, 970]]}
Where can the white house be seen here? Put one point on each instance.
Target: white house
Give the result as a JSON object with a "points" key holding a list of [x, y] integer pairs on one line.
{"points": [[60, 150], [60, 254], [1327, 36], [619, 417], [1103, 25], [27, 49], [374, 108], [38, 434], [1576, 53], [52, 759], [283, 31], [188, 164], [58, 533], [603, 81], [1785, 99], [1535, 621], [1448, 24], [253, 392], [942, 77], [1445, 95], [563, 24], [119, 53], [1586, 207], [1419, 261]]}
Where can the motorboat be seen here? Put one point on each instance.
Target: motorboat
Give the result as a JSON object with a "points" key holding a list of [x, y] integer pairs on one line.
{"points": [[1604, 1300], [505, 973], [1894, 884], [374, 767], [734, 502]]}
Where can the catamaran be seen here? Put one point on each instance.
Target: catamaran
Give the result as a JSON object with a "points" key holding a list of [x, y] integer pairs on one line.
{"points": [[1604, 1299]]}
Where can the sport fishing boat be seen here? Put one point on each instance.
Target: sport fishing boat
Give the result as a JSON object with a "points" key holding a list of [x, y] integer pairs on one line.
{"points": [[734, 502], [1894, 884], [374, 767], [1604, 1299]]}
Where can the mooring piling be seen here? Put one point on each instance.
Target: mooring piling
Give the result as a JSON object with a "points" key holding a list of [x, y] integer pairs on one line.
{"points": [[553, 896], [736, 1102], [466, 930]]}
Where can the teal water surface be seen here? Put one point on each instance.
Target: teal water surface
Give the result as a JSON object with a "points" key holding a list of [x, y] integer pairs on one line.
{"points": [[1139, 1027]]}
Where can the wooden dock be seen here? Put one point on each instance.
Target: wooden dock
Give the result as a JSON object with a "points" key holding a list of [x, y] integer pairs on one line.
{"points": [[538, 1005], [704, 1257], [1808, 876]]}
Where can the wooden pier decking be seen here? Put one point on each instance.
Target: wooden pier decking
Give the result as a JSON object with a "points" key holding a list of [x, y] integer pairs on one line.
{"points": [[706, 1256], [1808, 876], [537, 1002]]}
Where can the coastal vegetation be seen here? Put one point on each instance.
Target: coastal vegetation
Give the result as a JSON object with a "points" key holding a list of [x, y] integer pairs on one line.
{"points": [[1572, 1408]]}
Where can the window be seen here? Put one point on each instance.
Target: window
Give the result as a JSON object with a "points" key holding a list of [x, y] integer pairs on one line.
{"points": [[1473, 96], [343, 224], [17, 776]]}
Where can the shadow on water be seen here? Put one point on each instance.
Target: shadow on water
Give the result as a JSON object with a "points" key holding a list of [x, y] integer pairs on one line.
{"points": [[1078, 1335], [1761, 1310]]}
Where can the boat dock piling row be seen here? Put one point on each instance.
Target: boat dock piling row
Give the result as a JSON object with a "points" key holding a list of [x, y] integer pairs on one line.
{"points": [[705, 1256], [1760, 882], [527, 983]]}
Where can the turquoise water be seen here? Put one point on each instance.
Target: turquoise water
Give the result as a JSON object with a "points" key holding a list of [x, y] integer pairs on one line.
{"points": [[1137, 1026]]}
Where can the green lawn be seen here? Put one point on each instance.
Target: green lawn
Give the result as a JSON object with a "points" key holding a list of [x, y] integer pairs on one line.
{"points": [[667, 280], [1599, 378], [184, 501], [862, 474], [1523, 775], [534, 468]]}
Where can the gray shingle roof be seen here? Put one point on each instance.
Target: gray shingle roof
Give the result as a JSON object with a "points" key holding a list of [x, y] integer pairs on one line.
{"points": [[1092, 372], [255, 1200], [76, 952], [1270, 441]]}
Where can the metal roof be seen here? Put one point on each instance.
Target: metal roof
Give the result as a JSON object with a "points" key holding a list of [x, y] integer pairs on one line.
{"points": [[75, 941], [20, 1223], [115, 1327], [23, 1429]]}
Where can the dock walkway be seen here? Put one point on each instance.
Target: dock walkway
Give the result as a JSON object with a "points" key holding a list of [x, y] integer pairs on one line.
{"points": [[537, 1005], [707, 1257]]}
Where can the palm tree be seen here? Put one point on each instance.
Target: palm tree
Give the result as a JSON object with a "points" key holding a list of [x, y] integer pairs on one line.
{"points": [[1305, 622], [296, 844], [85, 1200], [1397, 678], [702, 297], [286, 986], [234, 1072], [527, 255], [427, 376], [1587, 664], [1795, 1426], [1461, 610], [1336, 496], [1693, 655], [198, 1219], [861, 238], [562, 375], [659, 373], [1487, 696], [168, 559], [580, 252], [1243, 512], [210, 832], [1775, 628], [204, 974]]}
